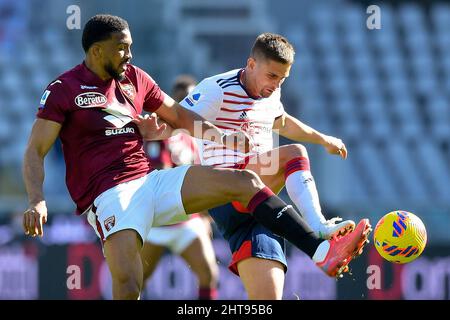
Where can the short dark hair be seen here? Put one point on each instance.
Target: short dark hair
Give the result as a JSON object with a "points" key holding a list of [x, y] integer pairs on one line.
{"points": [[181, 86], [100, 27], [274, 47], [183, 82]]}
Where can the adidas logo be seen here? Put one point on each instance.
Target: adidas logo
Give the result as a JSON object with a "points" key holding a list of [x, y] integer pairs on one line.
{"points": [[243, 116]]}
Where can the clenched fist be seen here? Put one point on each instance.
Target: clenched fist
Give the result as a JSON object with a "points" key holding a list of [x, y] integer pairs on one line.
{"points": [[335, 146]]}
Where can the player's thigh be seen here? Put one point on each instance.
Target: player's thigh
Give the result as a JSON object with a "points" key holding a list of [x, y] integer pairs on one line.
{"points": [[150, 256], [206, 187], [122, 253], [262, 278], [129, 205], [166, 190]]}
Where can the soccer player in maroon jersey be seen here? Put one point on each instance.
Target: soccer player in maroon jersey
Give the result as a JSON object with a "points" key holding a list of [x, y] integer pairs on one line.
{"points": [[94, 109]]}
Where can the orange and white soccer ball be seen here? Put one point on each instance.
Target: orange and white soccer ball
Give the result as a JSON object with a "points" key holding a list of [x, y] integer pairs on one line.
{"points": [[400, 236]]}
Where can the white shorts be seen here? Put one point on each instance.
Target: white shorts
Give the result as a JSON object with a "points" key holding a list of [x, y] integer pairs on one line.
{"points": [[178, 237], [150, 201]]}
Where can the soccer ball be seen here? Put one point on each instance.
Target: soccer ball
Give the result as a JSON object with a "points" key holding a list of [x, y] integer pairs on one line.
{"points": [[400, 236]]}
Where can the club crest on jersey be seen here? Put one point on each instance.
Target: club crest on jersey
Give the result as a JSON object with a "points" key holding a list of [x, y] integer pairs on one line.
{"points": [[129, 90], [90, 100], [110, 222]]}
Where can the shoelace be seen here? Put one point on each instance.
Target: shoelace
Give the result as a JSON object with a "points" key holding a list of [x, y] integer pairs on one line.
{"points": [[330, 223], [333, 221]]}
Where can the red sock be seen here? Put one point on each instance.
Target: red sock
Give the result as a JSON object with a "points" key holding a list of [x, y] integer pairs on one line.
{"points": [[259, 197], [296, 164], [207, 294]]}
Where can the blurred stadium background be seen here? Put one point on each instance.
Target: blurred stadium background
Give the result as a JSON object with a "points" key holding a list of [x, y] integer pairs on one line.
{"points": [[385, 92]]}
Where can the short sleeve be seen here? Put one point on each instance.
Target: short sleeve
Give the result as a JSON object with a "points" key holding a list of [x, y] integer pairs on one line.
{"points": [[205, 99], [53, 104], [153, 96]]}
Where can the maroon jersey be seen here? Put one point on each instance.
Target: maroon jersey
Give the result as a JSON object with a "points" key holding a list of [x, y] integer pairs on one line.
{"points": [[102, 147]]}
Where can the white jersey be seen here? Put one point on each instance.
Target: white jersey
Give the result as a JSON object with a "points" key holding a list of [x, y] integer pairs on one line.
{"points": [[223, 100]]}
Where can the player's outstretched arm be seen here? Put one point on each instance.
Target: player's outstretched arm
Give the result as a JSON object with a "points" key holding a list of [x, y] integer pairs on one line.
{"points": [[43, 136], [292, 128], [179, 117]]}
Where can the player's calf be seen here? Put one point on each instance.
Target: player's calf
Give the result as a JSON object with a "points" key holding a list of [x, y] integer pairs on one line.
{"points": [[301, 187]]}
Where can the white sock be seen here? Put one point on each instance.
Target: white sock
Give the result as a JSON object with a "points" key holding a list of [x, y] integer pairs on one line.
{"points": [[321, 252], [301, 188]]}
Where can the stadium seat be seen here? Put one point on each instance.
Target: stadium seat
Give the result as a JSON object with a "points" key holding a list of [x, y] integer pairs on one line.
{"points": [[409, 181], [436, 168], [373, 167]]}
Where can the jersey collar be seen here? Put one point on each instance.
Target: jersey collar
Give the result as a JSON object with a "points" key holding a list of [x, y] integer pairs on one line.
{"points": [[90, 78], [244, 88]]}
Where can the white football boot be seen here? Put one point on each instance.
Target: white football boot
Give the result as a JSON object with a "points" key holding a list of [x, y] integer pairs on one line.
{"points": [[330, 228]]}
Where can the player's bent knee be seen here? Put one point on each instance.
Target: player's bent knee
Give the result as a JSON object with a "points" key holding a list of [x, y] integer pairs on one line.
{"points": [[124, 275], [127, 285], [298, 149], [294, 151], [252, 178], [248, 182], [245, 186], [129, 291]]}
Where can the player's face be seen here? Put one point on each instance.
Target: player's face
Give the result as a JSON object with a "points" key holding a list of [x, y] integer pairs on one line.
{"points": [[267, 76], [117, 54]]}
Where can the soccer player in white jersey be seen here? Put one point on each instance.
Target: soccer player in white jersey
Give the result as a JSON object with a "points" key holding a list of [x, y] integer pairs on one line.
{"points": [[248, 100]]}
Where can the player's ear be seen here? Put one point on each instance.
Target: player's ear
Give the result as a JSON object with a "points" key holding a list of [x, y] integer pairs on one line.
{"points": [[251, 63], [96, 50]]}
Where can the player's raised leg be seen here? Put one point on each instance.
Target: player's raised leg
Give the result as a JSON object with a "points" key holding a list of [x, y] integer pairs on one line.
{"points": [[207, 187], [289, 165]]}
